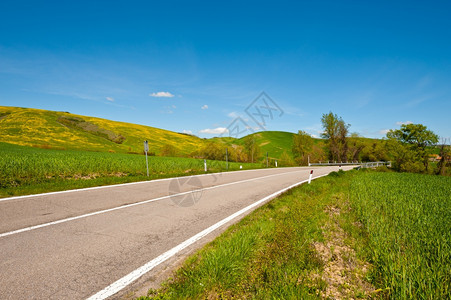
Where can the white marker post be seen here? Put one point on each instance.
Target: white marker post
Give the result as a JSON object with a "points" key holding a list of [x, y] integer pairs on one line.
{"points": [[146, 149], [276, 163], [205, 165], [310, 177]]}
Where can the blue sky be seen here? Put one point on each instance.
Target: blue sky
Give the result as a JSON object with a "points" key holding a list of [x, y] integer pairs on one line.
{"points": [[196, 66]]}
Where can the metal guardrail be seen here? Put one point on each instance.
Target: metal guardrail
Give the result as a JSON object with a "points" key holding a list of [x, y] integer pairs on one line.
{"points": [[373, 164]]}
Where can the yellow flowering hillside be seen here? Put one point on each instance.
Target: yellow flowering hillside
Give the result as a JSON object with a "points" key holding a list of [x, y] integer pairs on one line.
{"points": [[62, 130]]}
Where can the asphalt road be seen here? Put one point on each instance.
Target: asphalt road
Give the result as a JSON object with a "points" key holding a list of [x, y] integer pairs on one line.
{"points": [[73, 244]]}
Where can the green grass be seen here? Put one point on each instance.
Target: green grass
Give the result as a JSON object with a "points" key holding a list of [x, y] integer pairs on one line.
{"points": [[267, 255], [398, 223], [27, 170], [273, 142], [408, 218]]}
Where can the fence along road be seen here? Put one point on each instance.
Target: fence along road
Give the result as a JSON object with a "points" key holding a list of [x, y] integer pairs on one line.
{"points": [[73, 244]]}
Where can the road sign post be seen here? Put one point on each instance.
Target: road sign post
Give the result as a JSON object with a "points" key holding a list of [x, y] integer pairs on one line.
{"points": [[227, 159], [267, 163], [146, 149], [205, 165], [310, 177]]}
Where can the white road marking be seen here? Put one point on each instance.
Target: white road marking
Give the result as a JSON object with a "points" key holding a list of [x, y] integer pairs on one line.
{"points": [[124, 184], [134, 275], [134, 204]]}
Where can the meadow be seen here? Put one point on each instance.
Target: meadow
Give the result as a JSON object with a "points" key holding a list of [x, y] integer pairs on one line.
{"points": [[357, 234], [26, 170], [408, 219]]}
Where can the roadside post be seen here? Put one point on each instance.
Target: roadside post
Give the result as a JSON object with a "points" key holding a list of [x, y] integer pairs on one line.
{"points": [[267, 163], [146, 149], [276, 163], [205, 165], [310, 177], [227, 159]]}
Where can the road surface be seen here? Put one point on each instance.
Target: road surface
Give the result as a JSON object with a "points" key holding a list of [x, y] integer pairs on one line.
{"points": [[74, 244]]}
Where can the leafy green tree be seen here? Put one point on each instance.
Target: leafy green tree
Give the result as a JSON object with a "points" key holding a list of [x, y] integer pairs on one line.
{"points": [[251, 147], [213, 151], [168, 150], [286, 160], [445, 158], [335, 131], [302, 146], [409, 147]]}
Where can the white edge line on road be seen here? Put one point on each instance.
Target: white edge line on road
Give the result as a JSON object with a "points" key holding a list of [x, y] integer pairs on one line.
{"points": [[134, 204], [134, 275], [130, 183]]}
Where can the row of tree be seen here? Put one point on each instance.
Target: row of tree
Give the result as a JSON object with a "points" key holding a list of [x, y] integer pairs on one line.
{"points": [[409, 148]]}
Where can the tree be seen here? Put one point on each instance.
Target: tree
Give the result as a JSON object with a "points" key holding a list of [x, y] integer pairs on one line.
{"points": [[335, 131], [168, 150], [415, 138], [355, 145], [445, 158], [286, 160], [213, 151], [302, 146], [251, 147]]}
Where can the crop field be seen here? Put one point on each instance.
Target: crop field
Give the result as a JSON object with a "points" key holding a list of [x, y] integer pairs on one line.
{"points": [[408, 218], [31, 170]]}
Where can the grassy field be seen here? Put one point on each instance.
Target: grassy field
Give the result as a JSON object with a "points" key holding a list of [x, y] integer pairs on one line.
{"points": [[349, 235], [408, 218], [27, 170]]}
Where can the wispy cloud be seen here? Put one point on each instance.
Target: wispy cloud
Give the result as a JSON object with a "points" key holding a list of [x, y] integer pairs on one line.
{"points": [[217, 130], [419, 100], [383, 131], [204, 107], [111, 99], [187, 131], [403, 123], [161, 95], [232, 115]]}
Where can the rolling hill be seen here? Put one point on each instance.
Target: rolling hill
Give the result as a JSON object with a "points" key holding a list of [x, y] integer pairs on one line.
{"points": [[63, 130]]}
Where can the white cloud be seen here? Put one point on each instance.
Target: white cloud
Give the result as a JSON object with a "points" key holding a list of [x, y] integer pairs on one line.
{"points": [[204, 107], [162, 95], [384, 131], [110, 99], [404, 123], [187, 131], [232, 115], [217, 130], [173, 106]]}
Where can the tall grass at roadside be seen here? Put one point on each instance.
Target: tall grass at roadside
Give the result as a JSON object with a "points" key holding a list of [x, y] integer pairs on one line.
{"points": [[38, 170], [267, 255], [408, 218]]}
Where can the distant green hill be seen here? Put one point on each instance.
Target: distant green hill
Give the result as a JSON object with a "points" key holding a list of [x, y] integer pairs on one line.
{"points": [[273, 142]]}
